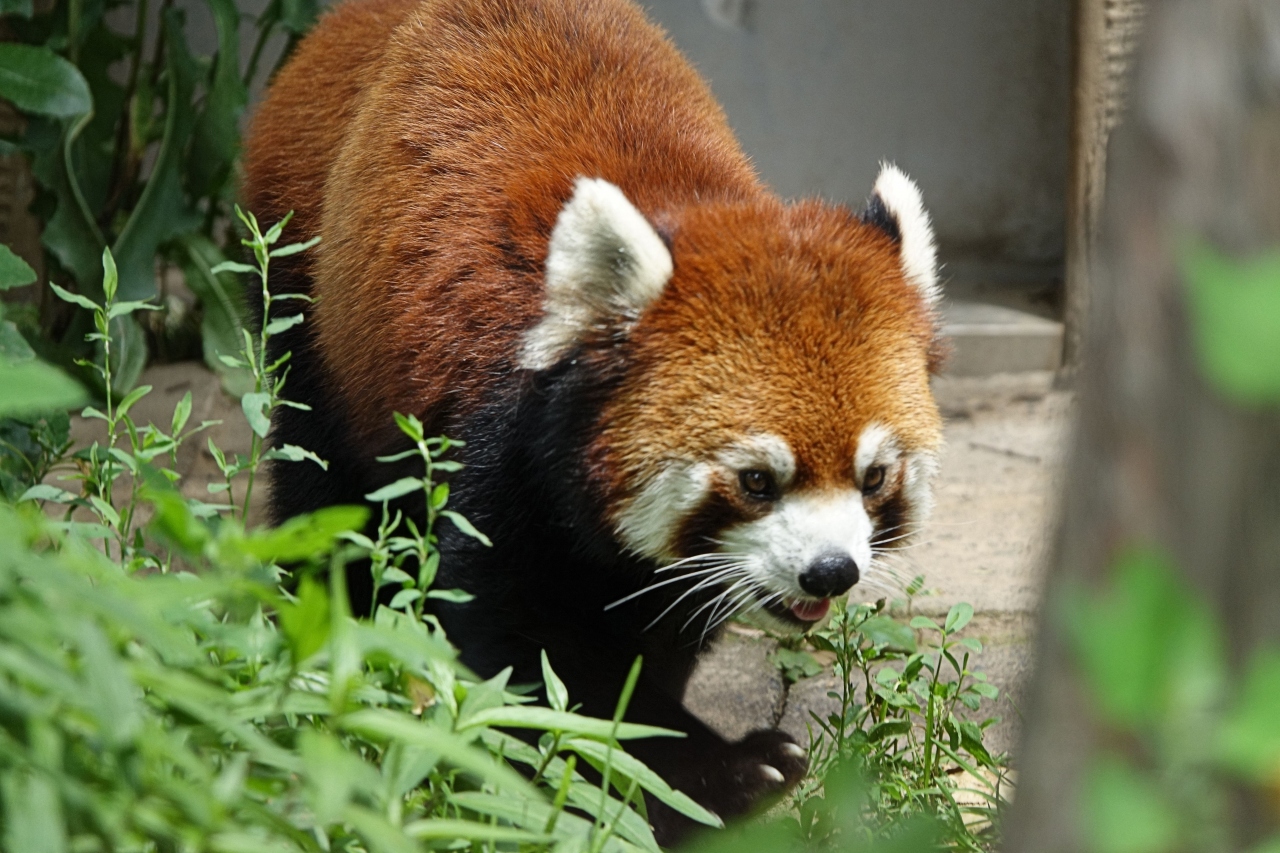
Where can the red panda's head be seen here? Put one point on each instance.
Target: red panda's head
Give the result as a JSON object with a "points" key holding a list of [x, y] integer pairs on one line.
{"points": [[772, 431]]}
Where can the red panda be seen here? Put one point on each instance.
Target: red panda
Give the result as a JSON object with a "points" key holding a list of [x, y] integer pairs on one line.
{"points": [[682, 398]]}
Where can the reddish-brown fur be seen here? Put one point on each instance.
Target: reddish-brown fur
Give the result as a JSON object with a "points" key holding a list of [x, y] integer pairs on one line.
{"points": [[433, 143]]}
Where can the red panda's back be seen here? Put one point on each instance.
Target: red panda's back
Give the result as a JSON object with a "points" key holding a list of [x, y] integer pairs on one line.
{"points": [[458, 134]]}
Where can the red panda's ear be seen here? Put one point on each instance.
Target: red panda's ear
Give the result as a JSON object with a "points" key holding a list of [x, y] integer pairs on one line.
{"points": [[605, 264], [897, 208]]}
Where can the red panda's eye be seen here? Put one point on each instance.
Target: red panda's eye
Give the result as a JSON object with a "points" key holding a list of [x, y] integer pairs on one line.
{"points": [[759, 484], [873, 479]]}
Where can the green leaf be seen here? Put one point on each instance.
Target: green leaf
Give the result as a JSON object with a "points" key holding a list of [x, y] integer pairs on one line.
{"points": [[220, 298], [557, 694], [306, 623], [256, 406], [1235, 313], [293, 453], [532, 717], [74, 298], [399, 488], [632, 768], [294, 248], [132, 397], [128, 353], [234, 267], [958, 617], [1125, 812], [305, 536], [14, 271], [215, 142], [37, 80], [13, 346], [447, 829], [20, 8], [884, 630], [71, 235], [1249, 742], [383, 725], [460, 522], [45, 492], [889, 728], [456, 596], [33, 821], [162, 211], [181, 413], [1147, 647], [33, 388], [279, 325]]}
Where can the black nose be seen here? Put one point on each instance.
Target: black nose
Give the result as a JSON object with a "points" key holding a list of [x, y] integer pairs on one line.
{"points": [[830, 574]]}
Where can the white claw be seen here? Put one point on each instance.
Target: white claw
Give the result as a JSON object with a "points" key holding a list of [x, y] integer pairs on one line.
{"points": [[772, 774], [795, 750]]}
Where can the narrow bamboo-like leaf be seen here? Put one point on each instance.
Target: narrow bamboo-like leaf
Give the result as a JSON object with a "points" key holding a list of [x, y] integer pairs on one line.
{"points": [[465, 526], [399, 488], [632, 768], [557, 694], [533, 717]]}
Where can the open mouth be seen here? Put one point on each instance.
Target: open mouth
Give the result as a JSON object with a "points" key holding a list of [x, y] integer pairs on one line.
{"points": [[806, 612]]}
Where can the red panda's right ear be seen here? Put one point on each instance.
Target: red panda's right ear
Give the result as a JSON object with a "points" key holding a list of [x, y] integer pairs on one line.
{"points": [[897, 209], [605, 265]]}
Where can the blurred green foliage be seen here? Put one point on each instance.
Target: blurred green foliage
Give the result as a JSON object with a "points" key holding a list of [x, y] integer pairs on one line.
{"points": [[133, 140]]}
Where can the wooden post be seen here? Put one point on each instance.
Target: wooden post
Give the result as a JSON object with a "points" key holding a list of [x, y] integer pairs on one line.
{"points": [[1160, 457], [1104, 35]]}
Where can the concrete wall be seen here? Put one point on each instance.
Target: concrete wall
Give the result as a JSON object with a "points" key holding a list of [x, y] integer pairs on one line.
{"points": [[971, 98]]}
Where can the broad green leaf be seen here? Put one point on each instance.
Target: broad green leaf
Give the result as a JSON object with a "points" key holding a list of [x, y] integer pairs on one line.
{"points": [[1125, 812], [14, 271], [333, 775], [13, 346], [37, 80], [305, 536], [884, 630], [306, 624], [181, 412], [71, 235], [889, 728], [1146, 646], [33, 821], [958, 617], [223, 308], [256, 406], [34, 387], [20, 8], [216, 138], [128, 353], [533, 717], [162, 211], [535, 815], [1249, 742], [46, 492], [130, 399], [1235, 312]]}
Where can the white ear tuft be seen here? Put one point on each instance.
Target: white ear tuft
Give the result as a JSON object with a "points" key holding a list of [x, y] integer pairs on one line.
{"points": [[605, 263], [900, 199]]}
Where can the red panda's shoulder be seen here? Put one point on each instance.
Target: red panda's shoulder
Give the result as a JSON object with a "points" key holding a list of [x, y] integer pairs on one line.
{"points": [[457, 158]]}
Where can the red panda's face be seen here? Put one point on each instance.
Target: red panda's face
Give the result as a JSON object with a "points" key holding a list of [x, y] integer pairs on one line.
{"points": [[774, 433]]}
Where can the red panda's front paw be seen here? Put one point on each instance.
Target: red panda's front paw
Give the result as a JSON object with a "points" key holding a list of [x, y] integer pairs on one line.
{"points": [[752, 771]]}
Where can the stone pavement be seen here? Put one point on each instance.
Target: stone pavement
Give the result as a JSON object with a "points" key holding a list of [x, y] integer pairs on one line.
{"points": [[984, 544]]}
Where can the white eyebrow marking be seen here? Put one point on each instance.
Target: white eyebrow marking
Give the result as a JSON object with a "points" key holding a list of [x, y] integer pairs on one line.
{"points": [[763, 450], [876, 444]]}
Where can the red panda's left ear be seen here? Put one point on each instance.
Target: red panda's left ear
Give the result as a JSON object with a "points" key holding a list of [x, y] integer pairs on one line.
{"points": [[897, 208], [605, 264]]}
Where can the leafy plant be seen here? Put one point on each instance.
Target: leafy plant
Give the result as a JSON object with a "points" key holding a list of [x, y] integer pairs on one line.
{"points": [[139, 161], [1186, 738]]}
